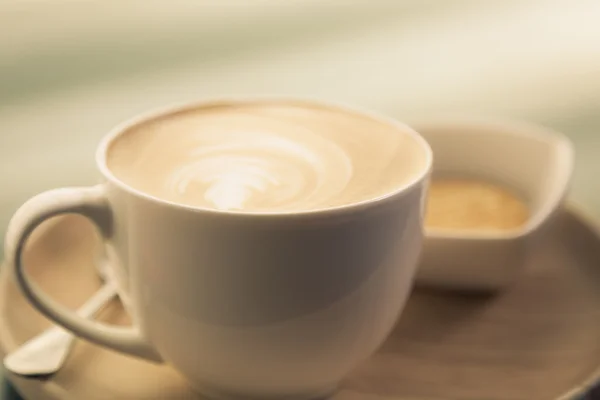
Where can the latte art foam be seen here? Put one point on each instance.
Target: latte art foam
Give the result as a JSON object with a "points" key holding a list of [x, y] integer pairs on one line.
{"points": [[262, 157], [259, 170]]}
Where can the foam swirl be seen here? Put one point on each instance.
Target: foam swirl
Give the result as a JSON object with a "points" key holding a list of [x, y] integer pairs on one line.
{"points": [[259, 170], [254, 157]]}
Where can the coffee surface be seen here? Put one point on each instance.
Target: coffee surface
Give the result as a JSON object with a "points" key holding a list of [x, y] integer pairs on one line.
{"points": [[265, 157], [458, 203]]}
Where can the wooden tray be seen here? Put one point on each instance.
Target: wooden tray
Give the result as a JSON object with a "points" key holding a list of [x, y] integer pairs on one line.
{"points": [[538, 340]]}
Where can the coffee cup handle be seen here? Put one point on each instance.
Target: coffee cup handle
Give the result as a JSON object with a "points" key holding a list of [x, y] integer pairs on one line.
{"points": [[92, 203]]}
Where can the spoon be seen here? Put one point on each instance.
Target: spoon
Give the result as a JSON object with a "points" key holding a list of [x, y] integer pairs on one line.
{"points": [[46, 353]]}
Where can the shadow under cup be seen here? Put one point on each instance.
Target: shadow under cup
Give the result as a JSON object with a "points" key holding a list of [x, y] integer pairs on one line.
{"points": [[251, 305]]}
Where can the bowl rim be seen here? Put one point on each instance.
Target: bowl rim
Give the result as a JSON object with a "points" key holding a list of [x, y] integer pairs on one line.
{"points": [[564, 157]]}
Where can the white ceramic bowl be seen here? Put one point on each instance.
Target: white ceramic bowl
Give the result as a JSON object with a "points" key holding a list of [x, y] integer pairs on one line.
{"points": [[534, 161]]}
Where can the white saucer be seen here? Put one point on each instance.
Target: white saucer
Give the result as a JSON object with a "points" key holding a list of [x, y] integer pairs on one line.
{"points": [[538, 340]]}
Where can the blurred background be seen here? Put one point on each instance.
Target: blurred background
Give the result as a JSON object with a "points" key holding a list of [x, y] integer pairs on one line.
{"points": [[72, 69]]}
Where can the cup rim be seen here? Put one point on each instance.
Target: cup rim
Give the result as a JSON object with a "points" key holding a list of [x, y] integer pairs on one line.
{"points": [[559, 142], [160, 112]]}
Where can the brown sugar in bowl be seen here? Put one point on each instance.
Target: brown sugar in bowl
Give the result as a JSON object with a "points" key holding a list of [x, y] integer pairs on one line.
{"points": [[533, 163], [473, 204]]}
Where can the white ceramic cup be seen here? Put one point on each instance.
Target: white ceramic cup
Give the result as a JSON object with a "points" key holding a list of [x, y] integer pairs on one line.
{"points": [[244, 305]]}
